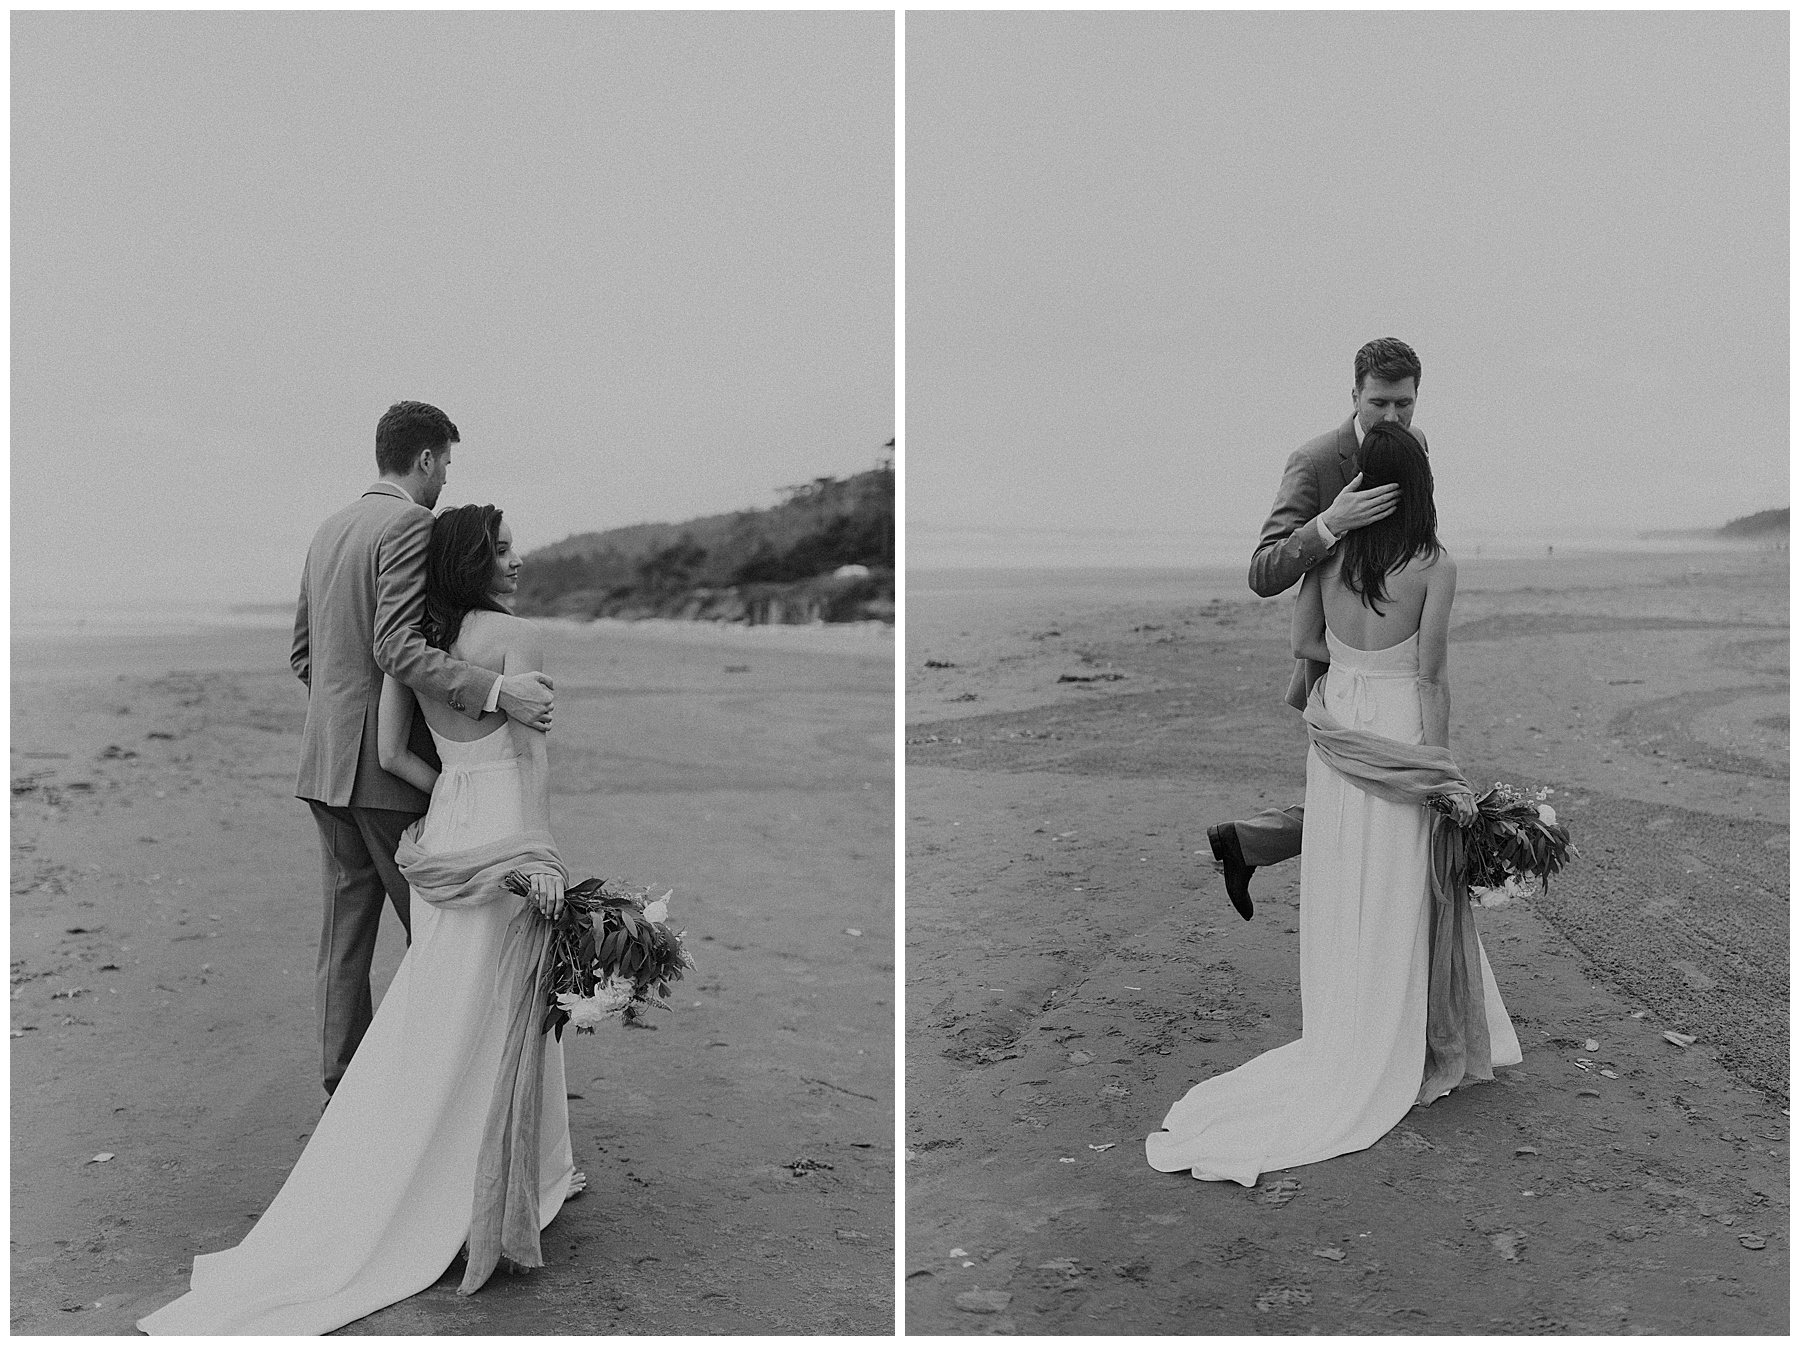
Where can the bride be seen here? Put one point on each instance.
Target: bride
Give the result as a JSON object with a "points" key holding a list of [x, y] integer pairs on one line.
{"points": [[439, 1133], [1378, 610]]}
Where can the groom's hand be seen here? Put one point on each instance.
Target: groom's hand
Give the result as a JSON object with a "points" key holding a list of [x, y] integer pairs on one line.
{"points": [[1357, 509], [528, 698]]}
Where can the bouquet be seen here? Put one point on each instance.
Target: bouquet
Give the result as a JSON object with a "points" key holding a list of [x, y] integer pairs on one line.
{"points": [[610, 953], [1514, 840]]}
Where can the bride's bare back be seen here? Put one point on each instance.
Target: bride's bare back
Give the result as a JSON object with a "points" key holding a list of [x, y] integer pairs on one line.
{"points": [[1420, 594], [494, 640], [1356, 623]]}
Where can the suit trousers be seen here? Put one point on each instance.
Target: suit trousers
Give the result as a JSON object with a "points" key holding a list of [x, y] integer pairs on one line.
{"points": [[1271, 836], [357, 846]]}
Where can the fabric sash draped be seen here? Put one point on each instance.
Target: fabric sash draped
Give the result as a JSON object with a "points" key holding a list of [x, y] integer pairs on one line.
{"points": [[504, 1217], [1456, 1035]]}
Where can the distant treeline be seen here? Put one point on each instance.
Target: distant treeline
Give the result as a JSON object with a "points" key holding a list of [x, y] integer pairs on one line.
{"points": [[1756, 525], [785, 563], [1765, 524]]}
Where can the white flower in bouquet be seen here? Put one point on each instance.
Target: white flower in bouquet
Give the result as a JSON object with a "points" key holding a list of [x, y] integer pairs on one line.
{"points": [[609, 998], [1515, 886], [615, 992], [1546, 815], [659, 909]]}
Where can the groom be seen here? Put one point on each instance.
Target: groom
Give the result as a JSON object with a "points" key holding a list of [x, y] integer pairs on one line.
{"points": [[361, 598], [1296, 537]]}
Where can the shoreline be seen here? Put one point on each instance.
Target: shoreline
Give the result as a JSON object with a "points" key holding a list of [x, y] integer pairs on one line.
{"points": [[1109, 551], [158, 644]]}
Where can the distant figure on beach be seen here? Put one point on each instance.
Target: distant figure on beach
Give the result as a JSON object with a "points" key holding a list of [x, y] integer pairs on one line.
{"points": [[1398, 1002], [362, 598], [450, 1126], [1301, 530]]}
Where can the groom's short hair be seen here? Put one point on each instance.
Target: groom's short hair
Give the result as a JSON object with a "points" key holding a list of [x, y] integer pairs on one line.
{"points": [[406, 430], [1388, 359]]}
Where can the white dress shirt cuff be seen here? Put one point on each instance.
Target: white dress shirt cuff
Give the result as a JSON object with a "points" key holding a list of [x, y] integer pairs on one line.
{"points": [[1325, 534], [493, 697]]}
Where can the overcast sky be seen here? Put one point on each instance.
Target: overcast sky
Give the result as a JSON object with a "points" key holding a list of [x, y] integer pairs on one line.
{"points": [[1143, 248], [643, 260]]}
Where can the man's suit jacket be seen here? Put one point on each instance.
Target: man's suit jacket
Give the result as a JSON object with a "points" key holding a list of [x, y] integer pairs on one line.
{"points": [[1290, 544], [361, 598]]}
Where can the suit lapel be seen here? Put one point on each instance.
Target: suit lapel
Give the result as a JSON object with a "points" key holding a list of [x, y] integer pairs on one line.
{"points": [[1348, 466]]}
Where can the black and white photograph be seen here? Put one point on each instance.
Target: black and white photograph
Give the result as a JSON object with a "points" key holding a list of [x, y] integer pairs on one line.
{"points": [[1346, 673], [453, 673]]}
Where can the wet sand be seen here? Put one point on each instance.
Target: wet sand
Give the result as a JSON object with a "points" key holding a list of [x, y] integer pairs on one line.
{"points": [[1073, 965], [165, 925]]}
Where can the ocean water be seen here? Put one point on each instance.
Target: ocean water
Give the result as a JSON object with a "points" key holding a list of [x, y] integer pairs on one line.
{"points": [[82, 643], [947, 599], [31, 622], [930, 548]]}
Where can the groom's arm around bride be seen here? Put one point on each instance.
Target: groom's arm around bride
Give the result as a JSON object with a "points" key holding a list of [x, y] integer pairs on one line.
{"points": [[401, 651]]}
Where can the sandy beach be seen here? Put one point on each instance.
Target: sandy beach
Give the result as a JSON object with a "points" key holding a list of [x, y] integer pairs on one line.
{"points": [[165, 925], [1073, 965]]}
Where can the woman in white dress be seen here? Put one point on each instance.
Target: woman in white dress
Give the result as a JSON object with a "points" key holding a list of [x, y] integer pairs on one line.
{"points": [[379, 1204], [1378, 610]]}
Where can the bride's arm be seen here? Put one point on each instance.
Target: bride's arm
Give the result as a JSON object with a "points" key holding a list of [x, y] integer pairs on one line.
{"points": [[525, 654], [393, 727], [1309, 620], [1434, 651]]}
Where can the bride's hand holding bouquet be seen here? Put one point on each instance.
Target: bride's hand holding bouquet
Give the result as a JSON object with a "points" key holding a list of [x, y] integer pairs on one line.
{"points": [[1508, 838], [611, 951]]}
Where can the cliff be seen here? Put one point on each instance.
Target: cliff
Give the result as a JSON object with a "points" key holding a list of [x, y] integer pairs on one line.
{"points": [[824, 553], [1757, 525]]}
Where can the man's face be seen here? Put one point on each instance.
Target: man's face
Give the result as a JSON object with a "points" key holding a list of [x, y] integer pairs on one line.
{"points": [[1379, 400], [436, 464]]}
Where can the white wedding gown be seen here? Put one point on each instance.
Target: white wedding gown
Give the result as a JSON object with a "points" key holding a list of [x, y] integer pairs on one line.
{"points": [[1364, 928], [379, 1203]]}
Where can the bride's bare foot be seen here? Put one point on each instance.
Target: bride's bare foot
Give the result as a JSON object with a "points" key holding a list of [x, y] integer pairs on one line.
{"points": [[577, 1185]]}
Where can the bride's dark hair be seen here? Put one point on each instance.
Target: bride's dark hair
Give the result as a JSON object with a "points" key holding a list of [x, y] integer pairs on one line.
{"points": [[1372, 553], [459, 570]]}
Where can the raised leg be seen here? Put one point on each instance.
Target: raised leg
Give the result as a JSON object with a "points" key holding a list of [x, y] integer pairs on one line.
{"points": [[1271, 836]]}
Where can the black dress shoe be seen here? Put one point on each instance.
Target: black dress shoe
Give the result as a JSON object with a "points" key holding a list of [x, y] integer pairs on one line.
{"points": [[1225, 847]]}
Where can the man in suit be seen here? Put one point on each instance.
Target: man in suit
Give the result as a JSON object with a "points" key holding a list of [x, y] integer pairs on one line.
{"points": [[1300, 532], [361, 599]]}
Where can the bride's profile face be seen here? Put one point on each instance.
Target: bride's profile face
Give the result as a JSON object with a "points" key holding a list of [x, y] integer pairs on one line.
{"points": [[506, 564]]}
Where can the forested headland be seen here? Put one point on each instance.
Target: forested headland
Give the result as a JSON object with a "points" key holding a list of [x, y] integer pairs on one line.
{"points": [[825, 552], [1757, 525], [1765, 526]]}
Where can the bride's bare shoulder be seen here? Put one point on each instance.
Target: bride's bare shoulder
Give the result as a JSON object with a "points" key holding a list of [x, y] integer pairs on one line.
{"points": [[500, 634], [498, 622], [1443, 565]]}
